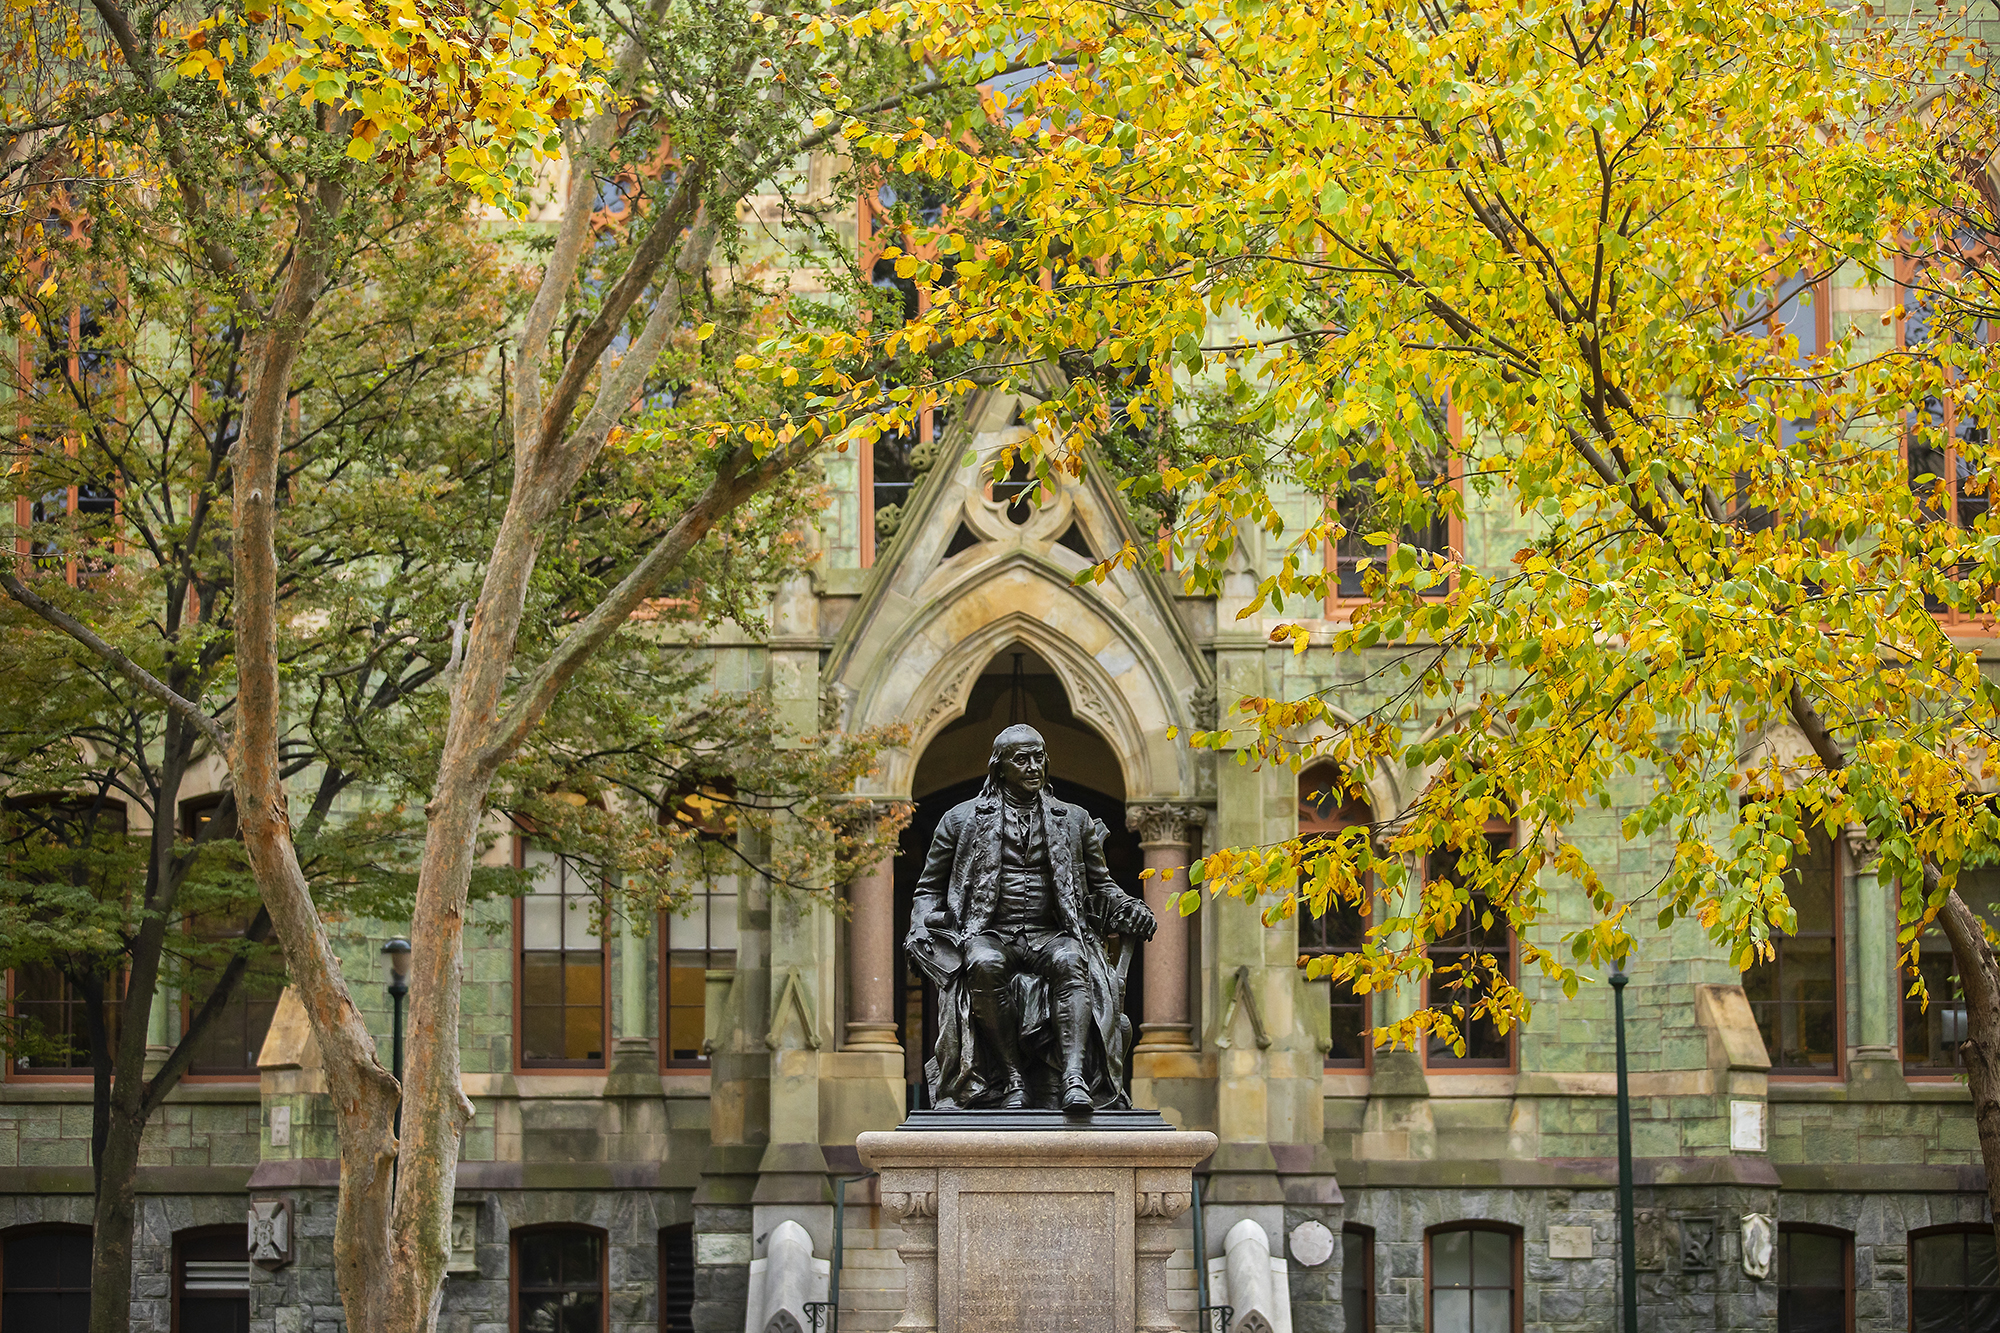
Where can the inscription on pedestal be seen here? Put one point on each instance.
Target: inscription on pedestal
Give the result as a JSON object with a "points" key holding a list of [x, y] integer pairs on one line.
{"points": [[1038, 1262]]}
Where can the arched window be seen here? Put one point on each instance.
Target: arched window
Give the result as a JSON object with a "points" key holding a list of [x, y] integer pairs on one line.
{"points": [[1474, 1276], [1815, 1280], [677, 1278], [560, 976], [1357, 1278], [1796, 995], [559, 1280], [45, 1279], [1954, 1280], [212, 1280], [1325, 809], [1458, 979]]}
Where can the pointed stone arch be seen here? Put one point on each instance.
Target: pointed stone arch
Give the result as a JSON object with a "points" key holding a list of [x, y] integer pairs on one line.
{"points": [[930, 618], [1385, 795], [927, 671]]}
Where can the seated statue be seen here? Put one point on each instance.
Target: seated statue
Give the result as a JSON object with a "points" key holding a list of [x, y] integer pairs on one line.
{"points": [[1009, 921]]}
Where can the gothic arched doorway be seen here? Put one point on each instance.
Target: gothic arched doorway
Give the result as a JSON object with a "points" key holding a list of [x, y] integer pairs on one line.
{"points": [[1016, 686]]}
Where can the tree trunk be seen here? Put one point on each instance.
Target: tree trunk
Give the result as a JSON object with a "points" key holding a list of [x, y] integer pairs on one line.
{"points": [[1980, 976], [362, 1092], [122, 1103], [113, 1219]]}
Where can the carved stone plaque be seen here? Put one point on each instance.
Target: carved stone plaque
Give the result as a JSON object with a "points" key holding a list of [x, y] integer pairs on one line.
{"points": [[1697, 1244], [1037, 1231], [1038, 1262], [1571, 1243], [270, 1232], [464, 1239], [1649, 1241]]}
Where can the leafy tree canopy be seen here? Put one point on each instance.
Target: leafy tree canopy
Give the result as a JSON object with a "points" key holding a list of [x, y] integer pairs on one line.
{"points": [[1589, 235]]}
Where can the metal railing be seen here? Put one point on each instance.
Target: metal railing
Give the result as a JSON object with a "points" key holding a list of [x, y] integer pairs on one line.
{"points": [[1215, 1318], [823, 1315]]}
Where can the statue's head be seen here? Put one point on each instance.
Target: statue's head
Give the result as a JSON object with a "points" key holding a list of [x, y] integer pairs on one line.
{"points": [[1020, 761]]}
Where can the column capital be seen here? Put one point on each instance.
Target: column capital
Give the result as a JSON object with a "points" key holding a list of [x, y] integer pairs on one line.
{"points": [[1861, 849], [1163, 822]]}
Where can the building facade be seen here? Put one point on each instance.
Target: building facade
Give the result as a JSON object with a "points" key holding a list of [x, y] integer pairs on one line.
{"points": [[650, 1105]]}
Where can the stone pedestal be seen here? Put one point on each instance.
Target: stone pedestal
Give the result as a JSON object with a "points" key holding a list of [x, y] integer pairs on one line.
{"points": [[1033, 1231]]}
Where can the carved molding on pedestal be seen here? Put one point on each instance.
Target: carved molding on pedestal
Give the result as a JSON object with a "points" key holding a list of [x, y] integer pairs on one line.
{"points": [[905, 1204], [916, 1212]]}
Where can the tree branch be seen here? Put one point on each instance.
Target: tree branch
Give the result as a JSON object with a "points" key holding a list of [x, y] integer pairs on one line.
{"points": [[737, 479], [117, 660]]}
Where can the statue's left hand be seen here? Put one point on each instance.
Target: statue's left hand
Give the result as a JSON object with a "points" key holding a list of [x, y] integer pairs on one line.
{"points": [[1133, 917]]}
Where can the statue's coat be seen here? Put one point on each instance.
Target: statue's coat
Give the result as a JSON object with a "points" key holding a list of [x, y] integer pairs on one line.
{"points": [[961, 879]]}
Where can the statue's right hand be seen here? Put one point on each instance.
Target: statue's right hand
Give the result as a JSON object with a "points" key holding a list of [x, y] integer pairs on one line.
{"points": [[919, 936]]}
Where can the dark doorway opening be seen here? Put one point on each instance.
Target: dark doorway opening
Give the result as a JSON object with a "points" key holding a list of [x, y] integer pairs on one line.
{"points": [[1017, 686]]}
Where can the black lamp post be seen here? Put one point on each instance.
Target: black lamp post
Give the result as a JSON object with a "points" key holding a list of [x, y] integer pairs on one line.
{"points": [[1628, 1258], [397, 951]]}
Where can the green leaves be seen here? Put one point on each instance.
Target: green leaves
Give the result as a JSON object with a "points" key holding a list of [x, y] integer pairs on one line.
{"points": [[1668, 487]]}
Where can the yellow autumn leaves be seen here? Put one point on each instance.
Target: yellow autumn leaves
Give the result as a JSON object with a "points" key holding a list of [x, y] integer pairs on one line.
{"points": [[480, 93]]}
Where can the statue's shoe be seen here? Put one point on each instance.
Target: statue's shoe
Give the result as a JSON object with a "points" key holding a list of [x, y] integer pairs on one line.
{"points": [[1016, 1098], [1076, 1099]]}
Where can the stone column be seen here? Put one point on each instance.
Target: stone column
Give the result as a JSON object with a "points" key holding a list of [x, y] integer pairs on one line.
{"points": [[162, 1031], [871, 960], [1164, 838], [1872, 1029], [635, 1059]]}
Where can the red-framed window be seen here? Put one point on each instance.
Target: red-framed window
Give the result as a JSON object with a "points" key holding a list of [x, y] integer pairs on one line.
{"points": [[697, 941], [1472, 1278], [230, 1045], [81, 840], [1815, 1272], [562, 995], [1457, 978], [701, 936], [66, 516], [1325, 809], [892, 467], [1349, 558], [1934, 1028], [1797, 995], [1954, 1279], [45, 1279], [558, 1279], [1944, 445], [1801, 307]]}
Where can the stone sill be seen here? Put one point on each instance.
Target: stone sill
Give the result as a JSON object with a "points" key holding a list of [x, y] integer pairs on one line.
{"points": [[233, 1092], [1445, 1086], [1944, 1091], [693, 1084]]}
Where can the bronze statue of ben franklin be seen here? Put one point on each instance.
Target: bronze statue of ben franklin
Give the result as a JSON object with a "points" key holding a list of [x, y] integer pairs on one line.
{"points": [[1009, 921]]}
